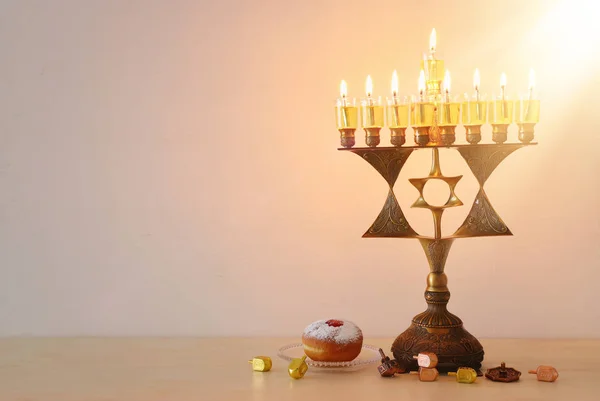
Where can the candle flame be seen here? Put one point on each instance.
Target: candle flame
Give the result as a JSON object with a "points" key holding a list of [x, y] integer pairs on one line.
{"points": [[531, 79], [447, 81], [432, 41], [394, 83], [343, 89], [369, 86], [503, 80], [421, 82], [476, 79]]}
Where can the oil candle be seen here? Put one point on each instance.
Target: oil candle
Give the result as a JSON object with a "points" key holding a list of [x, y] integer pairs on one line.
{"points": [[449, 112], [500, 112], [397, 114], [527, 112], [346, 116], [433, 66], [372, 115]]}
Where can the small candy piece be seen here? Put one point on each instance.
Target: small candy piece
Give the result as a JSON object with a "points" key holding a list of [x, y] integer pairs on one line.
{"points": [[426, 374], [297, 368], [388, 368], [261, 363], [426, 359], [545, 373], [503, 374], [464, 375]]}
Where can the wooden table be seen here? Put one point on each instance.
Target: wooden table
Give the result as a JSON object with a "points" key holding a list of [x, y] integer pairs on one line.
{"points": [[177, 369]]}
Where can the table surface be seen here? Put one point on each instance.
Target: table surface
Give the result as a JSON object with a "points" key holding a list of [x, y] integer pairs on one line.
{"points": [[177, 369]]}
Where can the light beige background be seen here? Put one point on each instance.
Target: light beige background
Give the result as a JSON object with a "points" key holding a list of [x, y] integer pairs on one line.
{"points": [[170, 168]]}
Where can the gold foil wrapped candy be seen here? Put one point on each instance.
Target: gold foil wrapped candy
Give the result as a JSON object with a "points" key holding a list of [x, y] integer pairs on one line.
{"points": [[261, 363], [545, 373], [464, 375], [298, 368]]}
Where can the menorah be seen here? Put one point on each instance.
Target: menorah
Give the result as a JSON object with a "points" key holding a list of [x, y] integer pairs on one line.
{"points": [[434, 117], [437, 330]]}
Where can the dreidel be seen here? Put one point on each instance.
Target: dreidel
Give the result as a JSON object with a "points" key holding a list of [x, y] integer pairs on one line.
{"points": [[545, 373], [297, 368], [261, 363], [426, 374], [426, 359], [464, 375], [388, 367]]}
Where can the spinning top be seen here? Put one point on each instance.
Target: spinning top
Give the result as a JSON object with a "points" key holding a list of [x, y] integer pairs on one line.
{"points": [[545, 373], [426, 374], [297, 368], [388, 367], [464, 375], [503, 374], [426, 359], [261, 363]]}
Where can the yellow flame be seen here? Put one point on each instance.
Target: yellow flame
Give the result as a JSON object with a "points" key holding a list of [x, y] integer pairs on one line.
{"points": [[447, 81], [476, 79], [369, 86], [343, 89], [422, 81], [531, 79], [432, 40], [394, 83], [503, 80]]}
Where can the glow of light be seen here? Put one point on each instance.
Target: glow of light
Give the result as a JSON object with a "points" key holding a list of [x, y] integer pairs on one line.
{"points": [[343, 89], [369, 86], [394, 83]]}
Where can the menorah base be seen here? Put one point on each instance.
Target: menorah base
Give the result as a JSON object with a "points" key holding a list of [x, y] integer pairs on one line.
{"points": [[455, 347]]}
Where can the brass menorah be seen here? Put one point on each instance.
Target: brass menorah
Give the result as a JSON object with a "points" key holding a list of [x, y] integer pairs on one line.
{"points": [[437, 330]]}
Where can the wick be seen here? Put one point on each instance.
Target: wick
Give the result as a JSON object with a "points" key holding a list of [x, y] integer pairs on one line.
{"points": [[477, 92], [531, 93], [344, 111], [421, 95], [502, 91], [447, 96]]}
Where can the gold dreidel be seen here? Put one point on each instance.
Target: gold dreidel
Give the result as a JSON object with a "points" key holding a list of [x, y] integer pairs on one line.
{"points": [[426, 374], [397, 115], [545, 373], [474, 113], [372, 115], [346, 117], [426, 359], [261, 363], [388, 367], [528, 113], [464, 375], [297, 368], [501, 114]]}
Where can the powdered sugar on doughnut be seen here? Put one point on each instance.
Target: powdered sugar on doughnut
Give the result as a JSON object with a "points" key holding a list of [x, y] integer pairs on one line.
{"points": [[346, 333]]}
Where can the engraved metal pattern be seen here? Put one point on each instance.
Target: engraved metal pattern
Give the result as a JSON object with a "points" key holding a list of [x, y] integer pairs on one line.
{"points": [[482, 220], [436, 251], [391, 221], [388, 162], [483, 160]]}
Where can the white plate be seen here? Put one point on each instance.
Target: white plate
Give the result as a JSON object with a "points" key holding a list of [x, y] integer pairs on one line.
{"points": [[368, 355]]}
